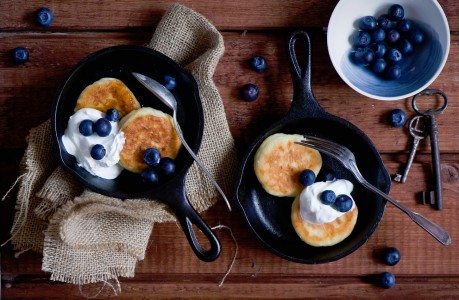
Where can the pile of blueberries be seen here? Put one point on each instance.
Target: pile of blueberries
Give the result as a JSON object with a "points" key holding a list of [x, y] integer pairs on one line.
{"points": [[342, 203], [381, 44], [102, 128]]}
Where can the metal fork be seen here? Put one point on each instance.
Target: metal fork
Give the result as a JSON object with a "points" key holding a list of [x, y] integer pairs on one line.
{"points": [[347, 159]]}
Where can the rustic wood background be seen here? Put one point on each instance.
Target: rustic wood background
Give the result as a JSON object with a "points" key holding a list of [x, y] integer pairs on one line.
{"points": [[170, 270]]}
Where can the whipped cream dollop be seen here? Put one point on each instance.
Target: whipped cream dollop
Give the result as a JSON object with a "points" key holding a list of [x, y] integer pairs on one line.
{"points": [[312, 210], [80, 146]]}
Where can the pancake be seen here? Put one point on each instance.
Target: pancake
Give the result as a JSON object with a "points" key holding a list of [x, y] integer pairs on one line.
{"points": [[147, 128], [327, 234], [108, 93], [279, 162]]}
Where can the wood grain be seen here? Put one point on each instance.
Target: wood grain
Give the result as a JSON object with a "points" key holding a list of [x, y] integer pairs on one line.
{"points": [[225, 15]]}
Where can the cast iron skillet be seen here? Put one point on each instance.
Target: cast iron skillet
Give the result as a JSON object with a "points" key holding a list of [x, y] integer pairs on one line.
{"points": [[119, 62], [268, 217]]}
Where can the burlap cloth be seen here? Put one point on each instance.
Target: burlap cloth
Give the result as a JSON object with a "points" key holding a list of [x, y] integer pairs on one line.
{"points": [[86, 237]]}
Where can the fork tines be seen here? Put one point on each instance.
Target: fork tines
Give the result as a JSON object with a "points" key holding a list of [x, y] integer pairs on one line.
{"points": [[320, 144]]}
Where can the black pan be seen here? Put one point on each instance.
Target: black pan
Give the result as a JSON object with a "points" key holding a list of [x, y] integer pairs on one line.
{"points": [[119, 62], [268, 217]]}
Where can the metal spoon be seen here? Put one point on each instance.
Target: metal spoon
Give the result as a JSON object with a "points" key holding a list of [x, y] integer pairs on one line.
{"points": [[163, 94]]}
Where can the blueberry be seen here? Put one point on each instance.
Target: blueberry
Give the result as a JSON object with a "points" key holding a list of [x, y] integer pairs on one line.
{"points": [[258, 63], [20, 55], [379, 49], [169, 82], [416, 36], [166, 167], [151, 157], [393, 72], [379, 66], [397, 118], [327, 175], [86, 127], [307, 177], [387, 280], [361, 39], [384, 22], [367, 23], [103, 127], [406, 48], [249, 92], [343, 203], [112, 115], [396, 12], [45, 17], [392, 36], [363, 56], [404, 25], [394, 56], [98, 152], [328, 197], [391, 256], [378, 36], [149, 175]]}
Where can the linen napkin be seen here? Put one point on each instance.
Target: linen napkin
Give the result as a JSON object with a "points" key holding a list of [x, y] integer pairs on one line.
{"points": [[86, 237]]}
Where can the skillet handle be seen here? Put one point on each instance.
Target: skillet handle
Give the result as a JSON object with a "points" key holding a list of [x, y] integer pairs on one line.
{"points": [[188, 216], [304, 104]]}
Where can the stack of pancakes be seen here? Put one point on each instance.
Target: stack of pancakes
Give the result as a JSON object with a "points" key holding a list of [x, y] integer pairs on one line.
{"points": [[278, 164], [143, 127]]}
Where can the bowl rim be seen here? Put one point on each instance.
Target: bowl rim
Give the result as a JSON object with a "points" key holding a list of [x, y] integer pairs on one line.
{"points": [[335, 63]]}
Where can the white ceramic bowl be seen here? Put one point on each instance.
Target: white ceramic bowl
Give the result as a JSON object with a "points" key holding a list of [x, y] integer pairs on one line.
{"points": [[418, 70]]}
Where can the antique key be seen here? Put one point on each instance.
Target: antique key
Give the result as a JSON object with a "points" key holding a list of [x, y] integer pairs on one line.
{"points": [[418, 132], [433, 132]]}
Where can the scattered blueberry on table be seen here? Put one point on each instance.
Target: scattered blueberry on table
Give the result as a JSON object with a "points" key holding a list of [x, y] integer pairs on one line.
{"points": [[307, 177], [169, 82], [391, 256], [152, 157], [343, 203], [328, 197], [249, 92], [112, 115], [387, 280], [20, 55], [45, 17], [86, 127], [258, 63], [397, 117], [98, 152], [390, 37], [102, 127]]}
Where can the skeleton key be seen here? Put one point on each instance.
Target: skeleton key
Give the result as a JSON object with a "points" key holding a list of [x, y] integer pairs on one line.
{"points": [[418, 132], [433, 132]]}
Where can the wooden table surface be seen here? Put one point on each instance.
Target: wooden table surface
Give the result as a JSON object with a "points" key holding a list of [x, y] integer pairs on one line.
{"points": [[171, 270]]}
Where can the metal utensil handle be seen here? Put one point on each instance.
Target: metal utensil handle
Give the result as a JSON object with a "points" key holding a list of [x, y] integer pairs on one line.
{"points": [[198, 161], [432, 228]]}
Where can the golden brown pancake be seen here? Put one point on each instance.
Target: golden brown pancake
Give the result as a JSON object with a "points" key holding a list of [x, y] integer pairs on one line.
{"points": [[147, 128], [327, 234], [279, 162], [108, 93]]}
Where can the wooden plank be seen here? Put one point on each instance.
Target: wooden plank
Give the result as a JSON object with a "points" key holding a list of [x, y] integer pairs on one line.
{"points": [[284, 287], [50, 63], [225, 15]]}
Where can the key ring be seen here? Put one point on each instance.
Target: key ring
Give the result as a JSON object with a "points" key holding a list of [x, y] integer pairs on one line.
{"points": [[432, 111]]}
